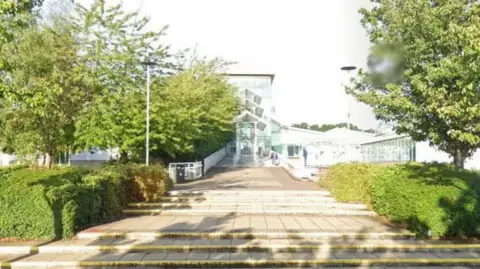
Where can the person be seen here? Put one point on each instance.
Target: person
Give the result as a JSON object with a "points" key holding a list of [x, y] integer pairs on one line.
{"points": [[305, 155], [274, 158]]}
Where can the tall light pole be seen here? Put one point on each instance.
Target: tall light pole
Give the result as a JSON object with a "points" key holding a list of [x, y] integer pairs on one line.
{"points": [[147, 112], [348, 68]]}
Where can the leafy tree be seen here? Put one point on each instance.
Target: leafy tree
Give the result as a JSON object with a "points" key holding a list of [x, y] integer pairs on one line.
{"points": [[327, 127], [114, 43], [302, 125], [42, 91], [193, 111], [423, 71], [15, 15]]}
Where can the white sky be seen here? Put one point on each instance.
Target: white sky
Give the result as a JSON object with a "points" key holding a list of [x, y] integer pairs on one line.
{"points": [[303, 42]]}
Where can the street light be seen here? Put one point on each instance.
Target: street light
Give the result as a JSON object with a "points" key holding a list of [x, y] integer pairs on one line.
{"points": [[348, 68], [147, 129]]}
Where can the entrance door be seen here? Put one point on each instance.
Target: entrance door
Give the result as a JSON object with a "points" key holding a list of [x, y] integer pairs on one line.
{"points": [[246, 148]]}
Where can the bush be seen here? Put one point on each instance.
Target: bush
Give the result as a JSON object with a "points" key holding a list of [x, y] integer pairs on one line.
{"points": [[350, 182], [149, 183], [427, 197], [57, 203], [26, 210]]}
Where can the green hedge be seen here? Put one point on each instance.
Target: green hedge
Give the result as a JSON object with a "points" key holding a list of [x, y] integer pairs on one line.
{"points": [[57, 203], [427, 197]]}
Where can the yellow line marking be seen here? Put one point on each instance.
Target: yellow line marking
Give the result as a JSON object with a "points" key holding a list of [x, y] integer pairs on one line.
{"points": [[428, 261], [266, 248]]}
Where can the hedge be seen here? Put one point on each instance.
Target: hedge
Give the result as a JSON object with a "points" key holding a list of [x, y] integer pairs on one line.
{"points": [[57, 203], [431, 197]]}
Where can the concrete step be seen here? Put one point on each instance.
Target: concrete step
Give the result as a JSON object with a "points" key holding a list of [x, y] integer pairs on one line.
{"points": [[202, 204], [241, 211], [240, 246], [140, 235], [229, 260], [234, 199], [249, 193]]}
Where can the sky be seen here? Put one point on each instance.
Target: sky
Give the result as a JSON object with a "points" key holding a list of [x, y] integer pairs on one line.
{"points": [[303, 42]]}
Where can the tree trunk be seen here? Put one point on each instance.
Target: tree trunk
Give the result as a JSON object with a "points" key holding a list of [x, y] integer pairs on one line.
{"points": [[48, 160], [459, 159], [44, 157], [123, 156]]}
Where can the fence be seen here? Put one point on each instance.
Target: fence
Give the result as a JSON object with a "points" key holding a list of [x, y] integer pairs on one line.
{"points": [[214, 159], [193, 170]]}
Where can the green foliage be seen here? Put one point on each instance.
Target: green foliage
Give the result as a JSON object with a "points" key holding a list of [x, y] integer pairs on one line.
{"points": [[26, 206], [57, 203], [193, 111], [75, 82], [347, 188], [42, 90], [114, 43], [15, 16], [423, 71], [427, 197]]}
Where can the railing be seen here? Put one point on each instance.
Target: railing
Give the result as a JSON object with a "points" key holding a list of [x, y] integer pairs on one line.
{"points": [[193, 170], [214, 159]]}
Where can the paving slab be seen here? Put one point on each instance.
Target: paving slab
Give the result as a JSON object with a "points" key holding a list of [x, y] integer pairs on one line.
{"points": [[247, 178]]}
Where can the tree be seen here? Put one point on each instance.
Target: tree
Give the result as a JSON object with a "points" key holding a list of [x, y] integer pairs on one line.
{"points": [[42, 91], [113, 45], [16, 15], [193, 111], [423, 71], [302, 125], [327, 127]]}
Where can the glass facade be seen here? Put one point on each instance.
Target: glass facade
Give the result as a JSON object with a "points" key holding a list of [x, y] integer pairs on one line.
{"points": [[397, 150], [258, 84]]}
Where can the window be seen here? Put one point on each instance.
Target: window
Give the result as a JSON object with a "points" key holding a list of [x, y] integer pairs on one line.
{"points": [[293, 150]]}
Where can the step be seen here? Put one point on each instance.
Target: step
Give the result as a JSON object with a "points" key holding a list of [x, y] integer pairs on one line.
{"points": [[229, 260], [139, 235], [271, 199], [241, 204], [235, 211], [240, 246], [249, 193]]}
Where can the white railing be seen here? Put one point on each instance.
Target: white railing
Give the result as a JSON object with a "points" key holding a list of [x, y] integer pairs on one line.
{"points": [[214, 159], [193, 170]]}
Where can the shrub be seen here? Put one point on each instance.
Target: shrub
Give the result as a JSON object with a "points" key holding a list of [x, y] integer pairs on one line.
{"points": [[349, 182], [57, 203], [427, 197], [149, 183], [26, 210]]}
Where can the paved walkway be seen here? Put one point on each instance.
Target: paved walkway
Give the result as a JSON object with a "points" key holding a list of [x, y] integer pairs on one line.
{"points": [[260, 223], [220, 178]]}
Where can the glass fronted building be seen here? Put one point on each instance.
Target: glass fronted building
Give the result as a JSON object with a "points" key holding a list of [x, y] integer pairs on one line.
{"points": [[397, 149], [255, 129]]}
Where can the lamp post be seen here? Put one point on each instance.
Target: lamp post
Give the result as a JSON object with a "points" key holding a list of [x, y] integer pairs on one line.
{"points": [[348, 68], [147, 112]]}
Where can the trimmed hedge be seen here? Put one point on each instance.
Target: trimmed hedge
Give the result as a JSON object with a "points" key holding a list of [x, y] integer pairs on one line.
{"points": [[57, 203], [427, 197], [347, 188]]}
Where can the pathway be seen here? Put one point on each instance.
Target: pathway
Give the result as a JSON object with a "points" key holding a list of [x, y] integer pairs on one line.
{"points": [[223, 178], [243, 218]]}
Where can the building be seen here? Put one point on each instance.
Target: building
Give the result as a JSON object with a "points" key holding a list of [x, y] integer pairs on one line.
{"points": [[258, 133]]}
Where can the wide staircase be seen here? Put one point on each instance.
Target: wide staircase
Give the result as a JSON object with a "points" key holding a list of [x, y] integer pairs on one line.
{"points": [[242, 229]]}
